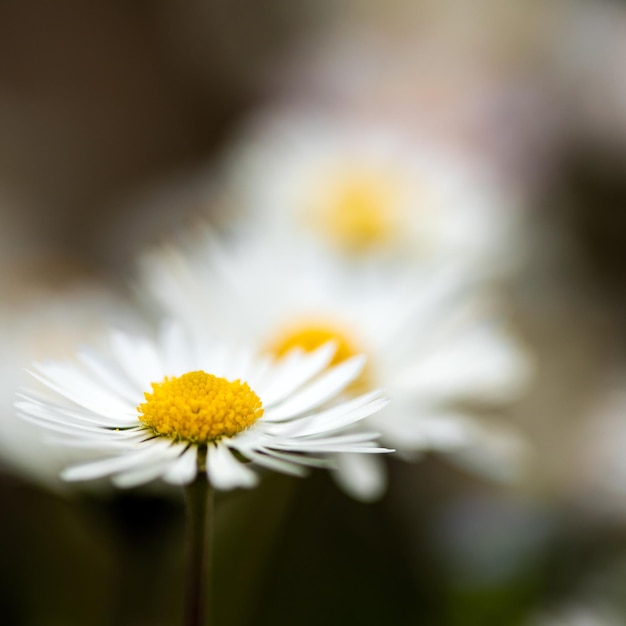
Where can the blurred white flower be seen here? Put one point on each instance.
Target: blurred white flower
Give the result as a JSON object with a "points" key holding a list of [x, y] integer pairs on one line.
{"points": [[371, 192], [39, 321], [176, 406], [430, 342]]}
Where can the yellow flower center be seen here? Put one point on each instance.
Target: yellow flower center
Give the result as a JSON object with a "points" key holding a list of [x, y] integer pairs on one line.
{"points": [[199, 408], [309, 337], [358, 211]]}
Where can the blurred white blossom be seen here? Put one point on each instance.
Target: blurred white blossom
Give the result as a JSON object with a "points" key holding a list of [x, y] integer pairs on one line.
{"points": [[372, 192], [431, 341], [43, 320]]}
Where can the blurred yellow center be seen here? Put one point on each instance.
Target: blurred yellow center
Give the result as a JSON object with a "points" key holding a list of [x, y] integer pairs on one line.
{"points": [[310, 337], [199, 408], [358, 212]]}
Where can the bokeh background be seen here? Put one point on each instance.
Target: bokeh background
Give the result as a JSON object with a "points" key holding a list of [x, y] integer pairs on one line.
{"points": [[114, 118]]}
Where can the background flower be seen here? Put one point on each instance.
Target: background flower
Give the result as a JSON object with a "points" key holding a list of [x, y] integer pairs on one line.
{"points": [[429, 337], [365, 191], [39, 320]]}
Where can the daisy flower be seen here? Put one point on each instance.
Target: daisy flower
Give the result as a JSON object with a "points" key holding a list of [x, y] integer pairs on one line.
{"points": [[171, 408], [363, 191], [429, 341]]}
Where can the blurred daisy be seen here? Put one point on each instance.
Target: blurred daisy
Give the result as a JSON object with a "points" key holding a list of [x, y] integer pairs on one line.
{"points": [[39, 321], [172, 408], [429, 343], [362, 191]]}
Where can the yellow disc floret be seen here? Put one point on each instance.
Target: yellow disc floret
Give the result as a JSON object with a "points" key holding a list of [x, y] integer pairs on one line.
{"points": [[309, 337], [358, 211], [199, 408]]}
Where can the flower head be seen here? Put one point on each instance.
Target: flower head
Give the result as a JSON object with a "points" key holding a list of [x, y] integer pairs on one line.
{"points": [[364, 191], [429, 339], [167, 407]]}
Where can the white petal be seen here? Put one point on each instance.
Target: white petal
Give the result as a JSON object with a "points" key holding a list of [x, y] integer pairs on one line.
{"points": [[413, 428], [123, 442], [273, 463], [295, 369], [183, 470], [301, 459], [226, 472], [259, 373], [176, 352], [139, 359], [310, 443], [70, 382], [144, 455], [323, 388], [364, 477], [71, 416], [109, 374], [480, 363], [333, 447], [140, 476], [335, 418], [239, 366], [67, 427]]}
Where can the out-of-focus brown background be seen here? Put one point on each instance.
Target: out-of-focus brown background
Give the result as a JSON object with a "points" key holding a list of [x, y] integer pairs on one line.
{"points": [[98, 98]]}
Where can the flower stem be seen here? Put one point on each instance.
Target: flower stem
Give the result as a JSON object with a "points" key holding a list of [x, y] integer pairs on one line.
{"points": [[199, 498]]}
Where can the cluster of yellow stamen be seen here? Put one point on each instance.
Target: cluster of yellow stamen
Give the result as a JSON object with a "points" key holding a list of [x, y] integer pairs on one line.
{"points": [[199, 408], [357, 211], [309, 337]]}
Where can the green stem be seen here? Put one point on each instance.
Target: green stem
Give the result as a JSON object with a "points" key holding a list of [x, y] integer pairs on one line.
{"points": [[199, 497]]}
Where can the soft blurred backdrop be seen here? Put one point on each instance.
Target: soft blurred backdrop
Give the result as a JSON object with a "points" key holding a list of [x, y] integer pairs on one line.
{"points": [[116, 120]]}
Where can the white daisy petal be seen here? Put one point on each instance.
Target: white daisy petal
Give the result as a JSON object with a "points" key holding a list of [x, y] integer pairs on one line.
{"points": [[332, 447], [266, 459], [335, 418], [296, 371], [108, 466], [122, 442], [301, 459], [107, 373], [317, 442], [77, 387], [478, 363], [257, 377], [139, 476], [174, 348], [183, 470], [138, 357], [61, 426], [225, 472], [325, 387], [69, 416], [364, 477]]}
